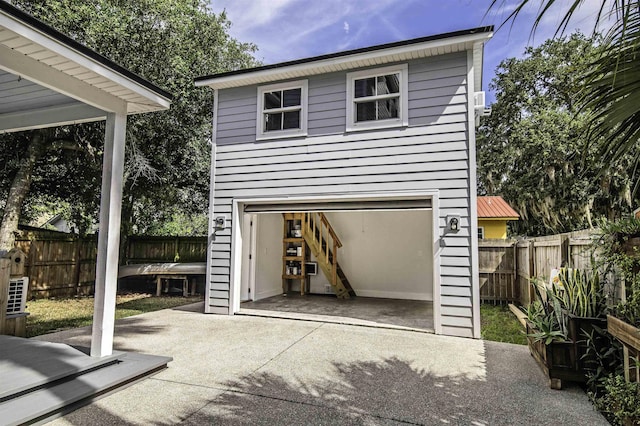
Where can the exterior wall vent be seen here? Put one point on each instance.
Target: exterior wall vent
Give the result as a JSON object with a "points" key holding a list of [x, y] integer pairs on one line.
{"points": [[17, 295]]}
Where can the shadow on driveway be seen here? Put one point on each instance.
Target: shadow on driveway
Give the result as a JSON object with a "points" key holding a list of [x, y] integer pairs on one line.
{"points": [[393, 392]]}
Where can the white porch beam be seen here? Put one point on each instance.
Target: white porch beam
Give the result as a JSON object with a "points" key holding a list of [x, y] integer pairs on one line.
{"points": [[109, 236], [46, 76], [52, 116]]}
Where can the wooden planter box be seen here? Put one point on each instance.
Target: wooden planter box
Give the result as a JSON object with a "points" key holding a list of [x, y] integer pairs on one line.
{"points": [[629, 336], [562, 360]]}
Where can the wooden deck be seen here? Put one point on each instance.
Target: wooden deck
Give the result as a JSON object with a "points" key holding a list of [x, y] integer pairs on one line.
{"points": [[42, 380]]}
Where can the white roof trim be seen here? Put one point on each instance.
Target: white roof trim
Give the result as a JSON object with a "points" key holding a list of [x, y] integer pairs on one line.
{"points": [[349, 62], [136, 96]]}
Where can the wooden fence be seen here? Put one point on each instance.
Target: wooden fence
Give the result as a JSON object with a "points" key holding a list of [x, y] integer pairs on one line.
{"points": [[507, 266], [60, 265], [145, 249]]}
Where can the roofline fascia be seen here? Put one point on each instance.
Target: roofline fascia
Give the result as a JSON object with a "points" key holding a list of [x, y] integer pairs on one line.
{"points": [[306, 65], [35, 24], [499, 218]]}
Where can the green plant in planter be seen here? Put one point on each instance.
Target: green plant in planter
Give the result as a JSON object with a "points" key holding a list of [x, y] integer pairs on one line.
{"points": [[618, 244], [629, 310], [580, 292], [545, 314], [603, 357], [575, 293], [547, 330], [620, 401]]}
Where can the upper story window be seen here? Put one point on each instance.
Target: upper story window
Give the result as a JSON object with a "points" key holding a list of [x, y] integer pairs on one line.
{"points": [[282, 110], [377, 98]]}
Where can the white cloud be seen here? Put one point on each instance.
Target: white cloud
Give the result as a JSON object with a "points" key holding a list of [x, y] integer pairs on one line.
{"points": [[292, 29], [253, 13], [304, 26]]}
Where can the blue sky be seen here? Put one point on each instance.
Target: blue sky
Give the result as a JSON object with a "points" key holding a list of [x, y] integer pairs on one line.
{"points": [[286, 30]]}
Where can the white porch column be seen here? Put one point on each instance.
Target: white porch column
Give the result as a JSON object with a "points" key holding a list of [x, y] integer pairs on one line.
{"points": [[109, 236]]}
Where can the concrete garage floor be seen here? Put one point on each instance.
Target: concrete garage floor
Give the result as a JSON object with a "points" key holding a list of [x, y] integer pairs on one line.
{"points": [[368, 311], [245, 370]]}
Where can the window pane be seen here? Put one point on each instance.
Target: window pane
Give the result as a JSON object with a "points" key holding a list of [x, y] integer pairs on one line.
{"points": [[291, 120], [291, 97], [366, 111], [387, 108], [273, 122], [272, 100], [388, 84], [365, 87]]}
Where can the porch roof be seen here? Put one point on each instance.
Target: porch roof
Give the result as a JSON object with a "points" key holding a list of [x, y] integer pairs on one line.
{"points": [[48, 79]]}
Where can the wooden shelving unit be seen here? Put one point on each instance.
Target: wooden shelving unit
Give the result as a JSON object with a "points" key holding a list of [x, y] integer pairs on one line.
{"points": [[294, 254]]}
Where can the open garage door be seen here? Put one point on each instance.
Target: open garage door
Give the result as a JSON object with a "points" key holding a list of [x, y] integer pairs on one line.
{"points": [[334, 206], [387, 254]]}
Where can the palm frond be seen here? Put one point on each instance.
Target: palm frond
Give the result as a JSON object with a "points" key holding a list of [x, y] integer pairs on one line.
{"points": [[612, 88], [546, 5]]}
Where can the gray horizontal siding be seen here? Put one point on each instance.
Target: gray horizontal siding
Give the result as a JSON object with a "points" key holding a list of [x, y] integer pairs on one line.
{"points": [[437, 94], [327, 104], [237, 109], [432, 153]]}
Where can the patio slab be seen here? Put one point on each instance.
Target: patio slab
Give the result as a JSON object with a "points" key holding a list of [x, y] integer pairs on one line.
{"points": [[252, 370]]}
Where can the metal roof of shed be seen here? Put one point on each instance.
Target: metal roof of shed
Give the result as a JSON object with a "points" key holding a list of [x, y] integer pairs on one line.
{"points": [[495, 207]]}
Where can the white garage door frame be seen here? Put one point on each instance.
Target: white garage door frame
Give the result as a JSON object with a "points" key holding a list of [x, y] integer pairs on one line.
{"points": [[238, 213]]}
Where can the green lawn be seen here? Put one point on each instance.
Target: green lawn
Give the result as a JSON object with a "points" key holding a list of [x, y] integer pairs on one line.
{"points": [[49, 315], [500, 325]]}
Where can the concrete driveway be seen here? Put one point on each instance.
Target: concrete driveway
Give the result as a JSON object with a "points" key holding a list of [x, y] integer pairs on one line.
{"points": [[267, 371]]}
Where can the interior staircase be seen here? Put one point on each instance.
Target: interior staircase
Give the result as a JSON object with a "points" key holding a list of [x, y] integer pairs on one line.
{"points": [[324, 244]]}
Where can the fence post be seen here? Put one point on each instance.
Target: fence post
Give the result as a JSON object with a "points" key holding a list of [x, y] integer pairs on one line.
{"points": [[565, 255], [76, 265], [5, 273], [31, 260], [532, 270], [514, 281]]}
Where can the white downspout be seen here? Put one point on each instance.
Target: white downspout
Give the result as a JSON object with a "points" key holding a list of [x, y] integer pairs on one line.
{"points": [[212, 181], [473, 195]]}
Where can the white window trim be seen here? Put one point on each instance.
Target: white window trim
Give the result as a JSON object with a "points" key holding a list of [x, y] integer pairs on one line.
{"points": [[289, 133], [481, 232], [403, 115]]}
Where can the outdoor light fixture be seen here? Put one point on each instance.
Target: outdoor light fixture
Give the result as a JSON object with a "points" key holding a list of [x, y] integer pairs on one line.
{"points": [[453, 223], [220, 223]]}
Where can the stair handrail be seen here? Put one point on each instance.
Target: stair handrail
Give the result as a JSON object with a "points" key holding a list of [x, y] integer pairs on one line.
{"points": [[336, 243]]}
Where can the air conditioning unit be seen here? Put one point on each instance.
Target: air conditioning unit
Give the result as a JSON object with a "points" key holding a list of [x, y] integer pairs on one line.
{"points": [[480, 110], [479, 101], [17, 295]]}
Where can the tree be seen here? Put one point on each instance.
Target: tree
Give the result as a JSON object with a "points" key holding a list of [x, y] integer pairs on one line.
{"points": [[168, 42], [532, 150], [610, 86]]}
